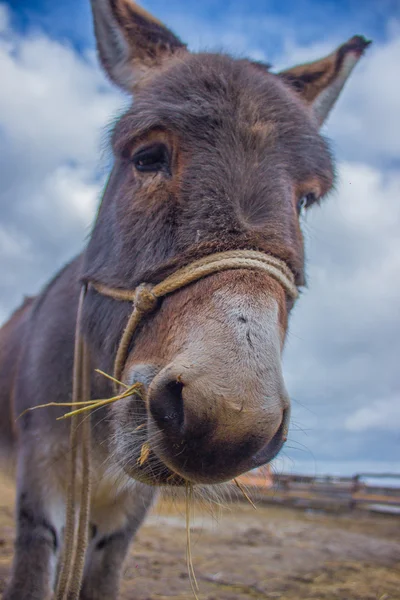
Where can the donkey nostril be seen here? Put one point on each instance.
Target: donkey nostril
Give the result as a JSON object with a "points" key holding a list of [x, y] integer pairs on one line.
{"points": [[166, 406]]}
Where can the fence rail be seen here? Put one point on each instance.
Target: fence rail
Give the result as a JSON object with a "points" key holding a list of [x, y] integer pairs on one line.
{"points": [[335, 493]]}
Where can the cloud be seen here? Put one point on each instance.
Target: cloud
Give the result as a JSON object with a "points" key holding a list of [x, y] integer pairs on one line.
{"points": [[53, 98], [343, 346], [381, 414], [53, 113], [345, 338]]}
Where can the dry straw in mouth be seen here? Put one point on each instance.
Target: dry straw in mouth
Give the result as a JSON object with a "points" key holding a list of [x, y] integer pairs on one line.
{"points": [[88, 405]]}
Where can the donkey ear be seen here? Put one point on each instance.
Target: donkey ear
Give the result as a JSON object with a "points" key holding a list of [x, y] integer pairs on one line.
{"points": [[130, 41], [320, 82]]}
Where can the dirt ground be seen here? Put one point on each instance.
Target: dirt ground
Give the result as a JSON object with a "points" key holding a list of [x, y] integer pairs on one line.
{"points": [[274, 552]]}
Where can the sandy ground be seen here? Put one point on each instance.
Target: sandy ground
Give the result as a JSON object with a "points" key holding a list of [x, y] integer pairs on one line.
{"points": [[246, 554]]}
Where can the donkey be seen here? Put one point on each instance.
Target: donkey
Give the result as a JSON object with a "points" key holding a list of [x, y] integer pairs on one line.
{"points": [[215, 154]]}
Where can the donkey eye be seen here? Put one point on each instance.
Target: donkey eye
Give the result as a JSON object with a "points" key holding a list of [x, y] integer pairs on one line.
{"points": [[305, 201], [152, 159]]}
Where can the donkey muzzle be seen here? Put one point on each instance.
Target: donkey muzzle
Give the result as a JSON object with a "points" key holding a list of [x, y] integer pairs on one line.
{"points": [[207, 436]]}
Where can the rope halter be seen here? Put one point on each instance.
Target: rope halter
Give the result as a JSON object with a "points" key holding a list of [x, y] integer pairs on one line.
{"points": [[145, 299]]}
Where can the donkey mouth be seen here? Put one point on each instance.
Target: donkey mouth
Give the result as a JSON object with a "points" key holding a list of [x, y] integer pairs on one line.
{"points": [[160, 460], [219, 462], [150, 468]]}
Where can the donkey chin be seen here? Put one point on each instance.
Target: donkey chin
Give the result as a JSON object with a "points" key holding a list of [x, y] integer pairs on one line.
{"points": [[217, 406]]}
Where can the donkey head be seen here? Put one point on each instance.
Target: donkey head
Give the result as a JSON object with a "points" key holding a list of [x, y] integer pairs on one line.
{"points": [[214, 154]]}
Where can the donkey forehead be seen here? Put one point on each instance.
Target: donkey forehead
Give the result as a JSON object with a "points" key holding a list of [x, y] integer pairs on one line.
{"points": [[207, 95]]}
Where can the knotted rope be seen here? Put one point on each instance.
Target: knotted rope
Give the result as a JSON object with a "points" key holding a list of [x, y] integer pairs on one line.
{"points": [[145, 299]]}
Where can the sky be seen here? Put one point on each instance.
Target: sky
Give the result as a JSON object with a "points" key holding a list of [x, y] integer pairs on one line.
{"points": [[341, 361]]}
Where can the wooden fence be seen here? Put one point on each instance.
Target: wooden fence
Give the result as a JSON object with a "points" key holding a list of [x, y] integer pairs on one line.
{"points": [[327, 492]]}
